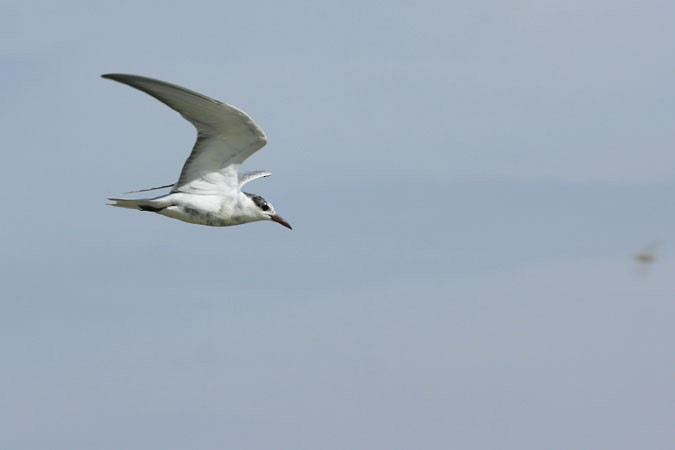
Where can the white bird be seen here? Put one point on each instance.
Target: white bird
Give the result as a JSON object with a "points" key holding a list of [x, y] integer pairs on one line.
{"points": [[208, 191]]}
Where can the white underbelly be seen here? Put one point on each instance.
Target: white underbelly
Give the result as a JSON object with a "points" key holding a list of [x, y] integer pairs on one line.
{"points": [[210, 210]]}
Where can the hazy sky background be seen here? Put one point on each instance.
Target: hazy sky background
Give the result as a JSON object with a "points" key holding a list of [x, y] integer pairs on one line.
{"points": [[467, 182]]}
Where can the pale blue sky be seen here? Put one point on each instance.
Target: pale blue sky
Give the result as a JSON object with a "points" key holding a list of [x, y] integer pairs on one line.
{"points": [[467, 182]]}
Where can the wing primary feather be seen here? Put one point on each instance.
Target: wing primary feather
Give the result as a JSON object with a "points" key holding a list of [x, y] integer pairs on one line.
{"points": [[247, 177], [150, 189]]}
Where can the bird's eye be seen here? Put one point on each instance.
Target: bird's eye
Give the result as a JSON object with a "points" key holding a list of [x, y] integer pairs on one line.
{"points": [[264, 207]]}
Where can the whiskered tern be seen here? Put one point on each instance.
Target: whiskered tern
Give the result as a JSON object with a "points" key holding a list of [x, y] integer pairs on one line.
{"points": [[208, 190]]}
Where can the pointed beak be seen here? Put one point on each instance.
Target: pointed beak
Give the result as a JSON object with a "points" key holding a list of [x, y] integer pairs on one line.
{"points": [[279, 219]]}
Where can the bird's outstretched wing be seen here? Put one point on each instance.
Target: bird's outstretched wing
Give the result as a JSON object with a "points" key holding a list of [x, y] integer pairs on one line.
{"points": [[226, 136]]}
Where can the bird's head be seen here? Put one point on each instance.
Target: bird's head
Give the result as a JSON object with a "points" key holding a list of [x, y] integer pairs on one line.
{"points": [[265, 211]]}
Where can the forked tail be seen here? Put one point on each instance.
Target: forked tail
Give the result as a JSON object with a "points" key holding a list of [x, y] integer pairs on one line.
{"points": [[132, 204]]}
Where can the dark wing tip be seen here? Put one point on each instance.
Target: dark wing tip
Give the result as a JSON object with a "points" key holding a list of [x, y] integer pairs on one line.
{"points": [[122, 77]]}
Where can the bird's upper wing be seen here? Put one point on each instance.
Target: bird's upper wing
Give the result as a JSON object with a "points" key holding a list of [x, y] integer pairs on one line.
{"points": [[226, 136]]}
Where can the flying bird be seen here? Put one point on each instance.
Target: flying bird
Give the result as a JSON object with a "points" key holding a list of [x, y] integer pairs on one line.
{"points": [[645, 257], [208, 190]]}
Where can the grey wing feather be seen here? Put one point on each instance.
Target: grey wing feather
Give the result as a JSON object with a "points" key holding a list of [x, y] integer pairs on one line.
{"points": [[247, 177], [226, 135], [150, 189]]}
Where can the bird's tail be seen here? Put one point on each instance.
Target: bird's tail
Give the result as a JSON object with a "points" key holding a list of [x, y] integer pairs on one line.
{"points": [[141, 204]]}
